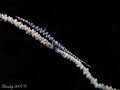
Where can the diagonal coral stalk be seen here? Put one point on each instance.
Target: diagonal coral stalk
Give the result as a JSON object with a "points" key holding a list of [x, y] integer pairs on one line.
{"points": [[45, 42]]}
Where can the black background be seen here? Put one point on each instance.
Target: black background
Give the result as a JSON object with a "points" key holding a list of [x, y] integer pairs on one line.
{"points": [[90, 30]]}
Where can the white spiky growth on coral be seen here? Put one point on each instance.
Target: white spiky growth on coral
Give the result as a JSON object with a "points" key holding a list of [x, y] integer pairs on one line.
{"points": [[45, 42]]}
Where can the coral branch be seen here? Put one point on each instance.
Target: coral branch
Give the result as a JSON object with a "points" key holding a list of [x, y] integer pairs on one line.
{"points": [[45, 42]]}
